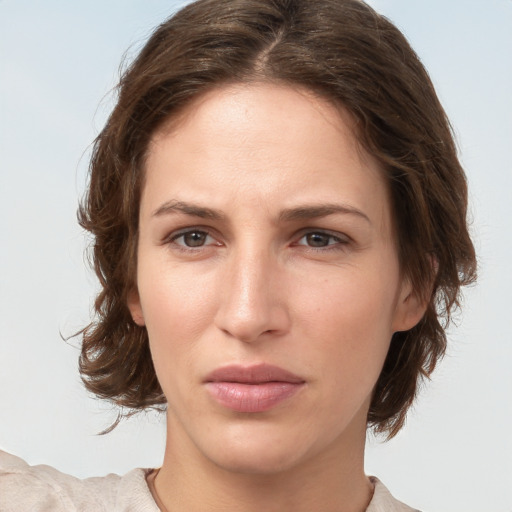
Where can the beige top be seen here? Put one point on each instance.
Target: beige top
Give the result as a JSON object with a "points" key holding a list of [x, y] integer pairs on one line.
{"points": [[25, 488]]}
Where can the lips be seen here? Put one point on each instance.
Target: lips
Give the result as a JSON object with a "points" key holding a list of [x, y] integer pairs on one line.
{"points": [[252, 389]]}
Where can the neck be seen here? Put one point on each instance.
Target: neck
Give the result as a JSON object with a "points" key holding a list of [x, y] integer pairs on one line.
{"points": [[331, 481]]}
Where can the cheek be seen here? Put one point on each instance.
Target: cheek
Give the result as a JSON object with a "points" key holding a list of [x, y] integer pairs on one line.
{"points": [[178, 307], [347, 319]]}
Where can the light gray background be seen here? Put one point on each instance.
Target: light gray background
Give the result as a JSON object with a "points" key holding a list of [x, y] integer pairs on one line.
{"points": [[58, 62]]}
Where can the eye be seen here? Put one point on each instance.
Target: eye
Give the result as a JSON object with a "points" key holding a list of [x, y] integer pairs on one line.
{"points": [[319, 239], [192, 238]]}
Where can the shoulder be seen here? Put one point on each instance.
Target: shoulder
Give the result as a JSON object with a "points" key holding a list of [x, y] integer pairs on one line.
{"points": [[383, 501], [43, 488]]}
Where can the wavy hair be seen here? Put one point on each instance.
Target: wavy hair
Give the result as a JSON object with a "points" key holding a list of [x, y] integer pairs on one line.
{"points": [[348, 54]]}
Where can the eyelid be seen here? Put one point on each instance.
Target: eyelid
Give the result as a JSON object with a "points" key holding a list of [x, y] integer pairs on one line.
{"points": [[176, 234], [341, 240], [343, 237]]}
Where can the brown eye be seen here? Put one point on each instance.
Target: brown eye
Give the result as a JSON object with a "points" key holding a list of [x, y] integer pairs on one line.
{"points": [[194, 238], [319, 239], [323, 239]]}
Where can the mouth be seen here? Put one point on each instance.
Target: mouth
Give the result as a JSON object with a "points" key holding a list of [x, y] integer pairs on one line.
{"points": [[252, 389]]}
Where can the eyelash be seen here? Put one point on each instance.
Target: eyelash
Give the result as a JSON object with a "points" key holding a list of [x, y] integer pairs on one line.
{"points": [[340, 240], [181, 234]]}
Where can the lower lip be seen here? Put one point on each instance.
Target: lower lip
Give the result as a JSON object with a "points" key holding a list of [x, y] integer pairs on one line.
{"points": [[243, 397]]}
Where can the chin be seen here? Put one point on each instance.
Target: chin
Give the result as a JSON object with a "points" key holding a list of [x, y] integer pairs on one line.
{"points": [[258, 449]]}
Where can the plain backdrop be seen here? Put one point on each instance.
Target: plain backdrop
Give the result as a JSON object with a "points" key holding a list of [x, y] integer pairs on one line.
{"points": [[59, 60]]}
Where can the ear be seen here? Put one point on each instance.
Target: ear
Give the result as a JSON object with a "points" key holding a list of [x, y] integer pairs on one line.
{"points": [[134, 305], [410, 308]]}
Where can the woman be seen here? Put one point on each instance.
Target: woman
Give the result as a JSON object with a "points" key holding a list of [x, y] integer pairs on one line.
{"points": [[280, 231]]}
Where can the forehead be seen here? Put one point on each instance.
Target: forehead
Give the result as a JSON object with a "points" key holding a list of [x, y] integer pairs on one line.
{"points": [[260, 108], [264, 143]]}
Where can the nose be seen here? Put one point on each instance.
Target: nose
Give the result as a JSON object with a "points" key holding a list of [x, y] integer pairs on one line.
{"points": [[252, 300]]}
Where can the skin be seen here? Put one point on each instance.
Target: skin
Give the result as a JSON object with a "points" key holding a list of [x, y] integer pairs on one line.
{"points": [[274, 279]]}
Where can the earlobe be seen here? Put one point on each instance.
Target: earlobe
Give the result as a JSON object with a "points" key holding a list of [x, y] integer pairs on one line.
{"points": [[134, 305], [412, 304], [410, 309]]}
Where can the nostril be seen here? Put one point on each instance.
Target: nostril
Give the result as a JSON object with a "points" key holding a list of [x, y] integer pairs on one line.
{"points": [[251, 306], [254, 327]]}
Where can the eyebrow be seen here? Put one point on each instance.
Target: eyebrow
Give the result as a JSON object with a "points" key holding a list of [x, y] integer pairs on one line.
{"points": [[305, 212], [321, 210], [188, 209]]}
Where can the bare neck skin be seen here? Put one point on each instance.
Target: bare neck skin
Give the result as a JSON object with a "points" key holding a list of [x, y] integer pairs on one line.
{"points": [[332, 481], [269, 282]]}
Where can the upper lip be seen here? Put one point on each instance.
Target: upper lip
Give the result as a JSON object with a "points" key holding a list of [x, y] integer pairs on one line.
{"points": [[254, 374]]}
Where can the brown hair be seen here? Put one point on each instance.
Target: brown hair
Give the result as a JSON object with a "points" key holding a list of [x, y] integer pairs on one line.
{"points": [[348, 54]]}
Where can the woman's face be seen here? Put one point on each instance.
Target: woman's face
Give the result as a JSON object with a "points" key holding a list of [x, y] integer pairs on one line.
{"points": [[267, 278]]}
